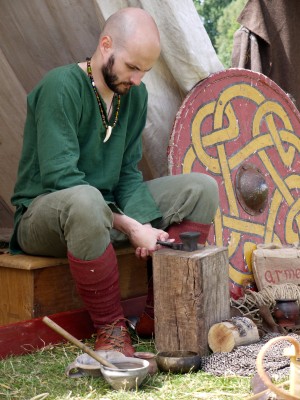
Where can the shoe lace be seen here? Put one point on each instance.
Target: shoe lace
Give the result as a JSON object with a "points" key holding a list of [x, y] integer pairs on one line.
{"points": [[114, 335]]}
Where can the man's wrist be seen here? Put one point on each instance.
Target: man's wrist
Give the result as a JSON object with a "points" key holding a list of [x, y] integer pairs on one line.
{"points": [[125, 224]]}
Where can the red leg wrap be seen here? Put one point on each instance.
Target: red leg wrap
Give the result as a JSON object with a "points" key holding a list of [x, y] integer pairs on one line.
{"points": [[97, 283]]}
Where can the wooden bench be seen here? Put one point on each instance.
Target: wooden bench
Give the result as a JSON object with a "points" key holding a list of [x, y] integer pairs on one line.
{"points": [[33, 287]]}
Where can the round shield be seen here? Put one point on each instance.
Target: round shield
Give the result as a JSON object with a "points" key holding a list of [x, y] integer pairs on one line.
{"points": [[239, 127]]}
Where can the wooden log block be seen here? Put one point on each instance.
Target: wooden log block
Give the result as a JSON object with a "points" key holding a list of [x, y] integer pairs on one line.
{"points": [[191, 293], [226, 335]]}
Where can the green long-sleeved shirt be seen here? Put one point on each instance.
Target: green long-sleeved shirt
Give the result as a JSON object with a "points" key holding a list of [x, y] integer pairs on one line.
{"points": [[63, 146]]}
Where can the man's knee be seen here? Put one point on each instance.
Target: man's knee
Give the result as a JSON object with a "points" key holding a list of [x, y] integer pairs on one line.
{"points": [[204, 184], [210, 187], [87, 206], [87, 223], [206, 195]]}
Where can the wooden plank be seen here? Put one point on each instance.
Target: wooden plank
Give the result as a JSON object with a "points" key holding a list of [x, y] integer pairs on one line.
{"points": [[191, 294], [28, 336], [276, 266], [26, 262], [30, 294], [32, 286], [16, 288], [54, 291]]}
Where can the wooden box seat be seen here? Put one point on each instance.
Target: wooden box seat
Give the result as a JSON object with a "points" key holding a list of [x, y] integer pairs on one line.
{"points": [[33, 287]]}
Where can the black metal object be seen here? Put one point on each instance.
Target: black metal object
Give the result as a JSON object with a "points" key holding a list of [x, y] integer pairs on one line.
{"points": [[172, 245], [251, 189], [189, 242]]}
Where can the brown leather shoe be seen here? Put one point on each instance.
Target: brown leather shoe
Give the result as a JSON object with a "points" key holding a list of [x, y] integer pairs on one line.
{"points": [[145, 325], [114, 337]]}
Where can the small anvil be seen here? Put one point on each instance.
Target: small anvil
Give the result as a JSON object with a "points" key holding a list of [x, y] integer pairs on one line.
{"points": [[189, 242]]}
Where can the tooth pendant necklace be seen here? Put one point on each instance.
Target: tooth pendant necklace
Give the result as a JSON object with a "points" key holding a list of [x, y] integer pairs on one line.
{"points": [[105, 121]]}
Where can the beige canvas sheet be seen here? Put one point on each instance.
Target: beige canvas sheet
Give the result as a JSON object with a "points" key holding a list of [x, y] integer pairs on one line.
{"points": [[38, 35]]}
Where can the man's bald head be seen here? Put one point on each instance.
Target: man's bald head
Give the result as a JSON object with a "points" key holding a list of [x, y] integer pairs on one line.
{"points": [[133, 27], [128, 47]]}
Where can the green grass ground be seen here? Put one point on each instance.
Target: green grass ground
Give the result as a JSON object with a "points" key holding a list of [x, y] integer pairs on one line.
{"points": [[41, 375]]}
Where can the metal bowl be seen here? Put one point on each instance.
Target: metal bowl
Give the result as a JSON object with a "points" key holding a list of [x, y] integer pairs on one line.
{"points": [[178, 362], [130, 373], [86, 365]]}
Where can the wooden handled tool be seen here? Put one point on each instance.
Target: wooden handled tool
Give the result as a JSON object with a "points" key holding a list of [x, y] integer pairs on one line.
{"points": [[77, 343]]}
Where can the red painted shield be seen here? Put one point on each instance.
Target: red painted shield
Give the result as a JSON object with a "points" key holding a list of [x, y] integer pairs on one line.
{"points": [[229, 122]]}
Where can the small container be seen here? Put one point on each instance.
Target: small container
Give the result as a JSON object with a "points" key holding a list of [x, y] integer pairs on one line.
{"points": [[180, 361], [150, 357], [86, 365], [130, 374], [83, 365], [286, 312]]}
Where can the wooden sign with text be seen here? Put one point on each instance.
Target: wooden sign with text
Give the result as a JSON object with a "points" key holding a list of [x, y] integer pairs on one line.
{"points": [[276, 266]]}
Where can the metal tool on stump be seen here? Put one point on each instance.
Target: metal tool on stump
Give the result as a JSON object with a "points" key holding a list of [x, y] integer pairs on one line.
{"points": [[189, 242]]}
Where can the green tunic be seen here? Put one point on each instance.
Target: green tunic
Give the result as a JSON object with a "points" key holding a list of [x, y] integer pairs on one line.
{"points": [[63, 146]]}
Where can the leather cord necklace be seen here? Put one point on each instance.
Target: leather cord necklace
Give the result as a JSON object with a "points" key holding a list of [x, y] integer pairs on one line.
{"points": [[105, 121]]}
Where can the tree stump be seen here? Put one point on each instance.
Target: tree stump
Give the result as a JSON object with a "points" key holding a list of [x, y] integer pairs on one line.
{"points": [[226, 335], [191, 293]]}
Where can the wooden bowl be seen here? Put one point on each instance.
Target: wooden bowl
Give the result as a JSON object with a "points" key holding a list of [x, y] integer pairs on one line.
{"points": [[178, 362]]}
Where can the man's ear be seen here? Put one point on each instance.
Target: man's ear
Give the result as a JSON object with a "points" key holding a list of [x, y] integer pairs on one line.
{"points": [[105, 43]]}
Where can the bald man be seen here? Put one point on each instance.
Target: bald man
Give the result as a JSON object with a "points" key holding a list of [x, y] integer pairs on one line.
{"points": [[79, 188]]}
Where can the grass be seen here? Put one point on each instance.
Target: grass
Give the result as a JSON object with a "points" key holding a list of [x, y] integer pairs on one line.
{"points": [[41, 375]]}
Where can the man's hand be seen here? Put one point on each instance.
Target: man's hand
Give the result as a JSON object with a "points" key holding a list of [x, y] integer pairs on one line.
{"points": [[145, 238], [142, 237]]}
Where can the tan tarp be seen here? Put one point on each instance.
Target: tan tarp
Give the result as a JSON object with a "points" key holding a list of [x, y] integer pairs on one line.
{"points": [[268, 42], [38, 35]]}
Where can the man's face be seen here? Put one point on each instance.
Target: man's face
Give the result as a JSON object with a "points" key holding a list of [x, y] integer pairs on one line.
{"points": [[112, 79]]}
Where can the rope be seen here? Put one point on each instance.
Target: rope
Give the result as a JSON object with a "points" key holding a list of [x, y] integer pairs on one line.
{"points": [[248, 305]]}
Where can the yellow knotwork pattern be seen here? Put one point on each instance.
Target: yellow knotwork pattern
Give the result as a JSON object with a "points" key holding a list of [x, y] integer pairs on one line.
{"points": [[284, 140]]}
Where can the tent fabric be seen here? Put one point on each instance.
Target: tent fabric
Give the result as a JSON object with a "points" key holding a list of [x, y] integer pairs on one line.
{"points": [[38, 35], [268, 42]]}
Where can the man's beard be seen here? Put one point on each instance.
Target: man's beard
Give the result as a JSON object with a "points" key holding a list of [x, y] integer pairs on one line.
{"points": [[111, 79]]}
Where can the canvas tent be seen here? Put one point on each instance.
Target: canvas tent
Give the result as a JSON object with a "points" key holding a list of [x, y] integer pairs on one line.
{"points": [[38, 35]]}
